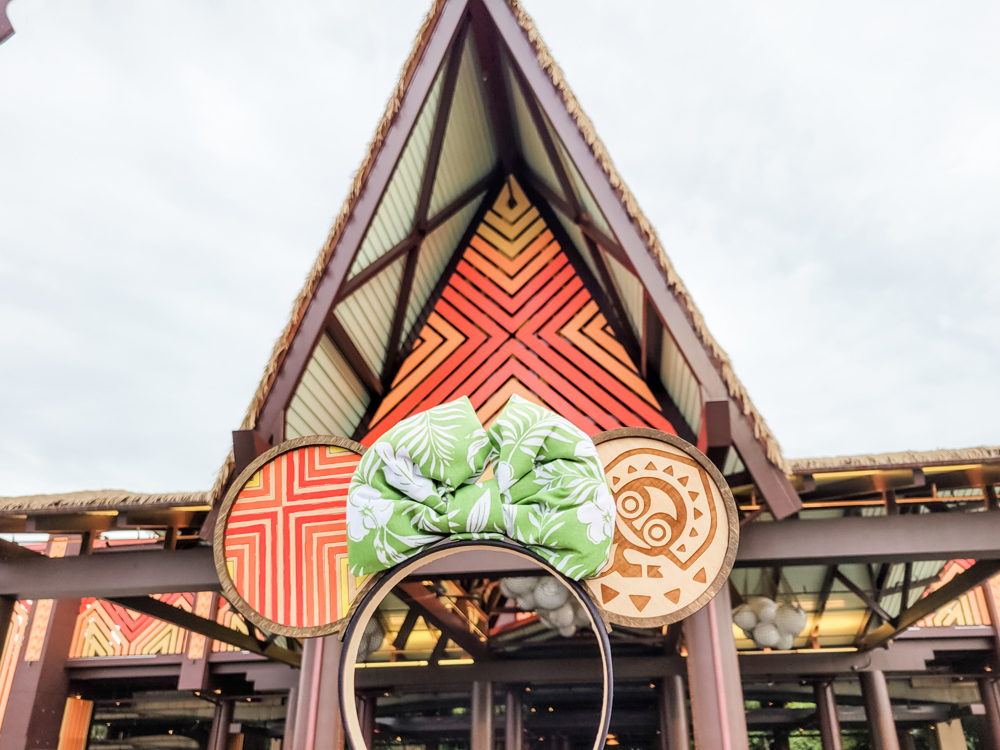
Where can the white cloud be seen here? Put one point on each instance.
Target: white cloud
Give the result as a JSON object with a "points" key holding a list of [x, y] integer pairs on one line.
{"points": [[825, 178]]}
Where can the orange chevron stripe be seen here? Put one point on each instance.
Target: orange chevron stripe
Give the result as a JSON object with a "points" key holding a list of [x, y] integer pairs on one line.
{"points": [[514, 317]]}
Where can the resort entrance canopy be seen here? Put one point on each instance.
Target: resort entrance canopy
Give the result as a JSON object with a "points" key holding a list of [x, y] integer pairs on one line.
{"points": [[483, 145]]}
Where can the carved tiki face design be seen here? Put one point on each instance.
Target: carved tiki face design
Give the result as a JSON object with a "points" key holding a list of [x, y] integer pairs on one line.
{"points": [[672, 532]]}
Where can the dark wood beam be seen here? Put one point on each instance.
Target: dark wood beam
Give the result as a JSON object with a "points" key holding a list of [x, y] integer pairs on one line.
{"points": [[903, 655], [495, 85], [878, 539], [440, 126], [881, 483], [101, 574], [878, 582], [463, 200], [771, 479], [147, 605], [399, 643], [6, 613], [960, 584], [821, 601], [608, 243], [247, 445], [904, 601], [314, 320], [548, 143], [440, 648], [378, 265], [863, 595], [343, 341], [71, 523], [427, 603], [393, 355]]}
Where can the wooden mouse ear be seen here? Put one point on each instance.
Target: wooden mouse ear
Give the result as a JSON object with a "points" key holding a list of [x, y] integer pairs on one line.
{"points": [[281, 539], [676, 529]]}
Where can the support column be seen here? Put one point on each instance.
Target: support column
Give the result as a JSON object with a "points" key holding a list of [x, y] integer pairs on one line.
{"points": [[40, 686], [317, 714], [220, 725], [781, 739], [990, 696], [513, 721], [482, 716], [878, 708], [367, 710], [950, 735], [826, 709], [673, 714], [714, 678], [291, 706], [905, 739]]}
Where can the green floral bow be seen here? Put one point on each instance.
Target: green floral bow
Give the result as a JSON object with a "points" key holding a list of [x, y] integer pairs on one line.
{"points": [[420, 484]]}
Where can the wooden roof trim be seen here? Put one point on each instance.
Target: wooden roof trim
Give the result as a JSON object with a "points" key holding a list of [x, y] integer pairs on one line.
{"points": [[899, 460]]}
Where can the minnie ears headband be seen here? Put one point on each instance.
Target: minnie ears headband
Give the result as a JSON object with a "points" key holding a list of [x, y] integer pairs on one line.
{"points": [[639, 524]]}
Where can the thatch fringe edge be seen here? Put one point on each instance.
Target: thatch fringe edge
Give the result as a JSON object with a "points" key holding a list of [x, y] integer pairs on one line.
{"points": [[100, 499], [898, 459]]}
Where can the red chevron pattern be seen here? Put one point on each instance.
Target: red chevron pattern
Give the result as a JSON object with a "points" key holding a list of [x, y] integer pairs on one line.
{"points": [[286, 537], [516, 318]]}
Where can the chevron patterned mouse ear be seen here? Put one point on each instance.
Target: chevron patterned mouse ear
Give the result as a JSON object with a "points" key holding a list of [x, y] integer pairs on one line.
{"points": [[281, 537], [676, 529]]}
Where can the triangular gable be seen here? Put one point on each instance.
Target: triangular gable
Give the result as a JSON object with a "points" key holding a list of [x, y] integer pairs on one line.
{"points": [[480, 97]]}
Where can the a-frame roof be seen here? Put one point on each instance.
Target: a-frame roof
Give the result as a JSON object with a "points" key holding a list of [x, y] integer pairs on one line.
{"points": [[479, 99]]}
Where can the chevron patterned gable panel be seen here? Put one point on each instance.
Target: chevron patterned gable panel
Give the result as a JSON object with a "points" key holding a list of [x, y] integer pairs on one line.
{"points": [[515, 317], [106, 629], [395, 215], [329, 400], [468, 152]]}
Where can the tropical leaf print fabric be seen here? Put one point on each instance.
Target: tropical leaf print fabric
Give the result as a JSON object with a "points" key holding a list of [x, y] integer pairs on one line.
{"points": [[420, 483]]}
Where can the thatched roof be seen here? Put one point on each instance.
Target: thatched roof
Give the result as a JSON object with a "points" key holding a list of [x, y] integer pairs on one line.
{"points": [[901, 460], [545, 60], [92, 500]]}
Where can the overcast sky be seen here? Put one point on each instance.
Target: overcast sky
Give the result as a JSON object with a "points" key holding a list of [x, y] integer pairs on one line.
{"points": [[825, 177]]}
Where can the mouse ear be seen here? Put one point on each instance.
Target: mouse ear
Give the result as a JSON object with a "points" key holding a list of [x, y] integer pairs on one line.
{"points": [[281, 537], [676, 529]]}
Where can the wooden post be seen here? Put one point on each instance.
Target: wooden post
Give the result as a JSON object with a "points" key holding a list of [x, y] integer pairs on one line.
{"points": [[878, 708], [367, 710], [781, 739], [673, 714], [482, 716], [40, 686], [826, 708], [905, 739], [317, 714], [6, 613], [714, 678], [989, 694], [220, 724], [513, 721]]}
